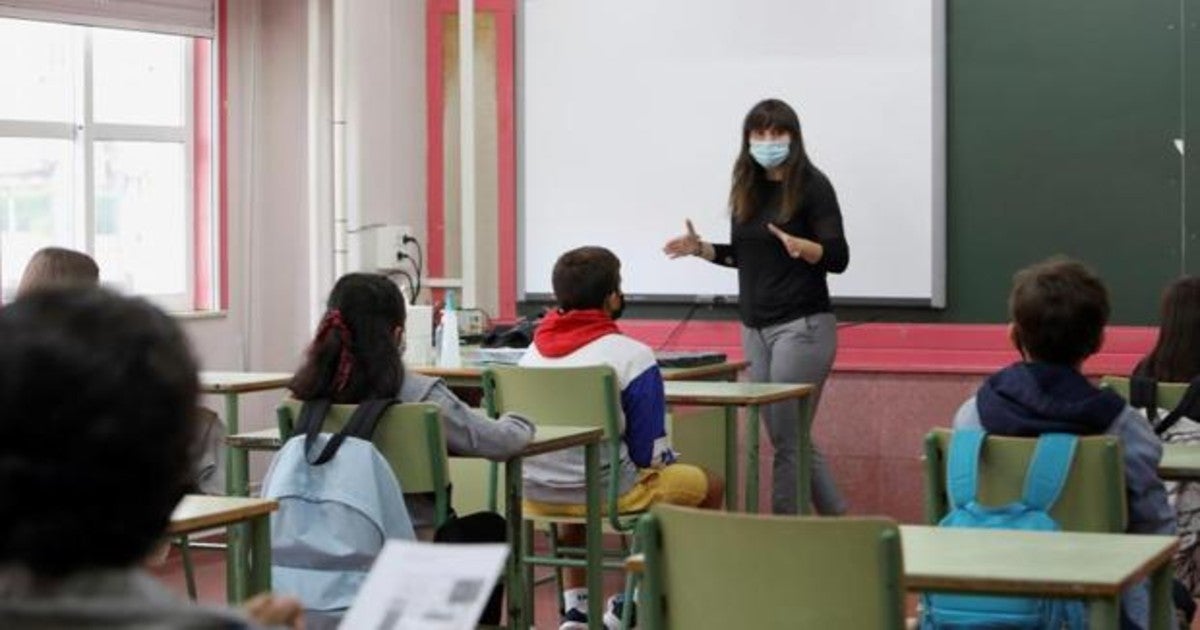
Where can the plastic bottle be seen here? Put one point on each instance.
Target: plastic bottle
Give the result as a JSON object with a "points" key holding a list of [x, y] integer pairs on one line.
{"points": [[449, 354]]}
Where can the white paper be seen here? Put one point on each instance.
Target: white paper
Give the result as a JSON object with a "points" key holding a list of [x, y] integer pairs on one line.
{"points": [[426, 585], [1179, 145]]}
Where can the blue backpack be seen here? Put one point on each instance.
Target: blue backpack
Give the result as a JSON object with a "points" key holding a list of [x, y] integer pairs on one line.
{"points": [[335, 513], [1044, 482]]}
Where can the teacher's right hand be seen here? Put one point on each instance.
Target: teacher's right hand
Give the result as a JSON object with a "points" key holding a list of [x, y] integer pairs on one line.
{"points": [[686, 245]]}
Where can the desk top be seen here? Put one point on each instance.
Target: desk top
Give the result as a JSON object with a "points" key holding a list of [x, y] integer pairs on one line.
{"points": [[264, 440], [720, 393], [475, 372], [198, 512], [1180, 462], [1063, 564], [242, 382], [546, 439], [556, 438]]}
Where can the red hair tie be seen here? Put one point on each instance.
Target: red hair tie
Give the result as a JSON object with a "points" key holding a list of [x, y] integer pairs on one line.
{"points": [[333, 321]]}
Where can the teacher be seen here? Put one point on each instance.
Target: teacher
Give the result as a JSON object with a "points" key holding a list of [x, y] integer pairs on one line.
{"points": [[785, 236]]}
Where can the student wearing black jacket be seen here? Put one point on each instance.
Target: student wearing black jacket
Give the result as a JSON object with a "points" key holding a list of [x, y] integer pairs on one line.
{"points": [[785, 236]]}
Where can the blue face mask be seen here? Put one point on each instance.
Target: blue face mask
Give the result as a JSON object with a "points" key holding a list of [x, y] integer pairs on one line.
{"points": [[769, 154]]}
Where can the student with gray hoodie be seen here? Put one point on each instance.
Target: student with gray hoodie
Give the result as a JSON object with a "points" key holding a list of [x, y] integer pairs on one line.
{"points": [[355, 356], [1059, 309]]}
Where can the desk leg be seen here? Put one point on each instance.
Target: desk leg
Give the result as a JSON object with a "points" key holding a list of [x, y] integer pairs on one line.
{"points": [[1104, 613], [595, 538], [731, 457], [804, 458], [237, 464], [752, 461], [1162, 606], [260, 559], [516, 553]]}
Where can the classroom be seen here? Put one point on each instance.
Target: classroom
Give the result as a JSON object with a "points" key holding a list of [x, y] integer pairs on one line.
{"points": [[573, 278]]}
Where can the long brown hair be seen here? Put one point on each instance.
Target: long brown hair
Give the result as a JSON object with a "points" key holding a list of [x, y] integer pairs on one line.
{"points": [[750, 178], [353, 357], [1176, 355]]}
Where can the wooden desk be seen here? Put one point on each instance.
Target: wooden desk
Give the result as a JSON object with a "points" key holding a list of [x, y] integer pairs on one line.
{"points": [[732, 395], [1180, 462], [198, 512], [1097, 567], [519, 573], [237, 462]]}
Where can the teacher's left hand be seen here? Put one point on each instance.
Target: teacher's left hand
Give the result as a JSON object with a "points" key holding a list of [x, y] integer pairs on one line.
{"points": [[796, 247]]}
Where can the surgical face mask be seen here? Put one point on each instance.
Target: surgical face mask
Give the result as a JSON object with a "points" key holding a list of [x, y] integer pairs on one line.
{"points": [[769, 154]]}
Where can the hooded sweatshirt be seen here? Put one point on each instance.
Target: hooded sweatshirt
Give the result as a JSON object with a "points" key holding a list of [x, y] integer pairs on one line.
{"points": [[590, 337], [1029, 399]]}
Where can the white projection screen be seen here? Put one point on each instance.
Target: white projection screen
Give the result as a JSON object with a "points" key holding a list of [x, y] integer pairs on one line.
{"points": [[630, 119]]}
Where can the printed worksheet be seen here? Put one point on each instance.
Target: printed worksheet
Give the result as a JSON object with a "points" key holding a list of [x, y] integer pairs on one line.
{"points": [[426, 585]]}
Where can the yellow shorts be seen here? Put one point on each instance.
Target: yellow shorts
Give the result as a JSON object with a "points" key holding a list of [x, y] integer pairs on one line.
{"points": [[675, 484]]}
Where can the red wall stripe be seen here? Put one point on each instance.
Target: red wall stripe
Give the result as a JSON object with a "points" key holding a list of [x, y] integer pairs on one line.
{"points": [[202, 211], [223, 151]]}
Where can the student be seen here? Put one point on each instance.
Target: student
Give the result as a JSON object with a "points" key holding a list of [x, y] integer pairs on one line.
{"points": [[1175, 358], [582, 331], [355, 356], [1059, 309], [97, 449], [58, 267], [52, 267], [786, 236]]}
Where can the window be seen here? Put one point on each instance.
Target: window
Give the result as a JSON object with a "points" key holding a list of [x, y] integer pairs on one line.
{"points": [[98, 150]]}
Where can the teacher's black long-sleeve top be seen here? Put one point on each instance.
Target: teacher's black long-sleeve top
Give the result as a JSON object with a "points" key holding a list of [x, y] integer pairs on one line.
{"points": [[773, 287]]}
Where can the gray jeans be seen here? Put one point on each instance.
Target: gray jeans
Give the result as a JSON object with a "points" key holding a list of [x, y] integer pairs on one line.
{"points": [[799, 351]]}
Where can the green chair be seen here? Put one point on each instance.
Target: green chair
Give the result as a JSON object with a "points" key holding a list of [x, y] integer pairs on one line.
{"points": [[577, 397], [1168, 395], [1093, 499], [709, 569], [409, 436], [473, 485]]}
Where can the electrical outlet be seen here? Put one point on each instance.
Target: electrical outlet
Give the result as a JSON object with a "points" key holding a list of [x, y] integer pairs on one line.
{"points": [[381, 247], [472, 323]]}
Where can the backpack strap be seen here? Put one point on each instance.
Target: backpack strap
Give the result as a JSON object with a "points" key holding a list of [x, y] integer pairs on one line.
{"points": [[1047, 473], [1143, 394], [962, 466], [1189, 406], [361, 425]]}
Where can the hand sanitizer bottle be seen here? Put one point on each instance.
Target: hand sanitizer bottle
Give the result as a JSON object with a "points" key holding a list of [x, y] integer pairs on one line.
{"points": [[449, 355]]}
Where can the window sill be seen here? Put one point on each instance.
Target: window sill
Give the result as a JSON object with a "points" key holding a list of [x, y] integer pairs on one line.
{"points": [[197, 315]]}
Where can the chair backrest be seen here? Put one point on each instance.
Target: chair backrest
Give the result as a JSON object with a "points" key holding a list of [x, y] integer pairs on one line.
{"points": [[1093, 499], [409, 436], [708, 569], [567, 396], [1168, 397]]}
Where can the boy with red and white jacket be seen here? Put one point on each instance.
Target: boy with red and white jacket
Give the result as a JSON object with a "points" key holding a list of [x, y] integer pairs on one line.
{"points": [[582, 331]]}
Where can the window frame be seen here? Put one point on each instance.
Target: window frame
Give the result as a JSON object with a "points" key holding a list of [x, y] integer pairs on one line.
{"points": [[84, 132]]}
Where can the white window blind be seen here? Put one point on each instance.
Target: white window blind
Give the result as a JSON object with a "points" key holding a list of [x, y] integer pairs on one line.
{"points": [[195, 18]]}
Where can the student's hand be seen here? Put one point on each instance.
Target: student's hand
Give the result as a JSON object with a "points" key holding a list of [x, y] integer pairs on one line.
{"points": [[686, 245], [797, 247], [269, 610]]}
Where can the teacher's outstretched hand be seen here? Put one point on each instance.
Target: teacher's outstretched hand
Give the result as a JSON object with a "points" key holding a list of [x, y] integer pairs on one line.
{"points": [[686, 245]]}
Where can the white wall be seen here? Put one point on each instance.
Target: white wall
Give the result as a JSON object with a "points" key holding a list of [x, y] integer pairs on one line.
{"points": [[267, 324], [385, 112]]}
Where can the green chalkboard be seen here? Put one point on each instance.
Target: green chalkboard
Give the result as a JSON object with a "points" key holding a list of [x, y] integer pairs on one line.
{"points": [[1062, 119]]}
